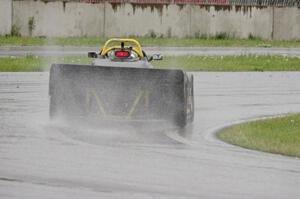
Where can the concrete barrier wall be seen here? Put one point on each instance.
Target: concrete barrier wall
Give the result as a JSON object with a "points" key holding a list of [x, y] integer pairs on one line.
{"points": [[5, 16], [59, 19], [62, 19], [287, 23]]}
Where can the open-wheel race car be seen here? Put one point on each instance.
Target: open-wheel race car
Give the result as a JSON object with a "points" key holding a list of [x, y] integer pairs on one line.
{"points": [[121, 86]]}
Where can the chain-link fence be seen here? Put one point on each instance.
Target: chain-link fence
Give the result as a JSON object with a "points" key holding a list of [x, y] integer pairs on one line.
{"points": [[286, 3], [289, 3]]}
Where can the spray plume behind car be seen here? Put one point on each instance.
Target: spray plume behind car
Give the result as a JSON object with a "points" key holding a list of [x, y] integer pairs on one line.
{"points": [[121, 86]]}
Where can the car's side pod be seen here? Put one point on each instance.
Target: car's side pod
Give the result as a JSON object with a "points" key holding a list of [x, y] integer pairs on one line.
{"points": [[92, 55]]}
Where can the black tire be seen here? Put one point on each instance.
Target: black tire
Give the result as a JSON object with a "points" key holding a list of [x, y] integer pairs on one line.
{"points": [[181, 119], [52, 91], [52, 108], [191, 82]]}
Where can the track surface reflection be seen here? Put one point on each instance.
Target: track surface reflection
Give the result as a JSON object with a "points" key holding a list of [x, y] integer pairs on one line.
{"points": [[40, 159]]}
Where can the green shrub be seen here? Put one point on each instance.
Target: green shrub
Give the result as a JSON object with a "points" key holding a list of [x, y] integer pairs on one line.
{"points": [[15, 31], [222, 36], [31, 25]]}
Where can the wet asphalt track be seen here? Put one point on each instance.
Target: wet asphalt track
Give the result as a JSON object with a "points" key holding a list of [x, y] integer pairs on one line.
{"points": [[39, 159], [167, 51]]}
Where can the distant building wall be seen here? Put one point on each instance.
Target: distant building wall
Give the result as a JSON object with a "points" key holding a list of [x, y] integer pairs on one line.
{"points": [[5, 16], [180, 18]]}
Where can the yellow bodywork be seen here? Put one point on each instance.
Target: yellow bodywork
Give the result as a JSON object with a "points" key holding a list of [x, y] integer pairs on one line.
{"points": [[136, 46], [143, 96]]}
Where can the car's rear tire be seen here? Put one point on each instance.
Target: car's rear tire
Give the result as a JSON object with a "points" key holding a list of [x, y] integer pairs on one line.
{"points": [[52, 92], [191, 84]]}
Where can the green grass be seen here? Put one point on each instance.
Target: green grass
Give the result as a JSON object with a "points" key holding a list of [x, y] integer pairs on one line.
{"points": [[278, 135], [148, 41], [35, 63], [231, 63], [187, 63]]}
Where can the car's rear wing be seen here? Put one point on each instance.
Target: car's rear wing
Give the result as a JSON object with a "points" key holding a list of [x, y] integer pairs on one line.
{"points": [[117, 93]]}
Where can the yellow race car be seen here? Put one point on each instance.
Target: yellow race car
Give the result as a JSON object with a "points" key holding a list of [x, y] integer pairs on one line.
{"points": [[121, 86]]}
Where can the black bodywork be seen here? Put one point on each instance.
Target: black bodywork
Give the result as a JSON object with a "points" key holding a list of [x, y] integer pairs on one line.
{"points": [[127, 94]]}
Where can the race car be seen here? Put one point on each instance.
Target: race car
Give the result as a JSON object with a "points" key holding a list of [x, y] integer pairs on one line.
{"points": [[121, 86]]}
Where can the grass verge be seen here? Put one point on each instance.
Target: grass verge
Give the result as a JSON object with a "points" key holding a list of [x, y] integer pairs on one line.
{"points": [[32, 63], [148, 41], [231, 63], [278, 135], [187, 63]]}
